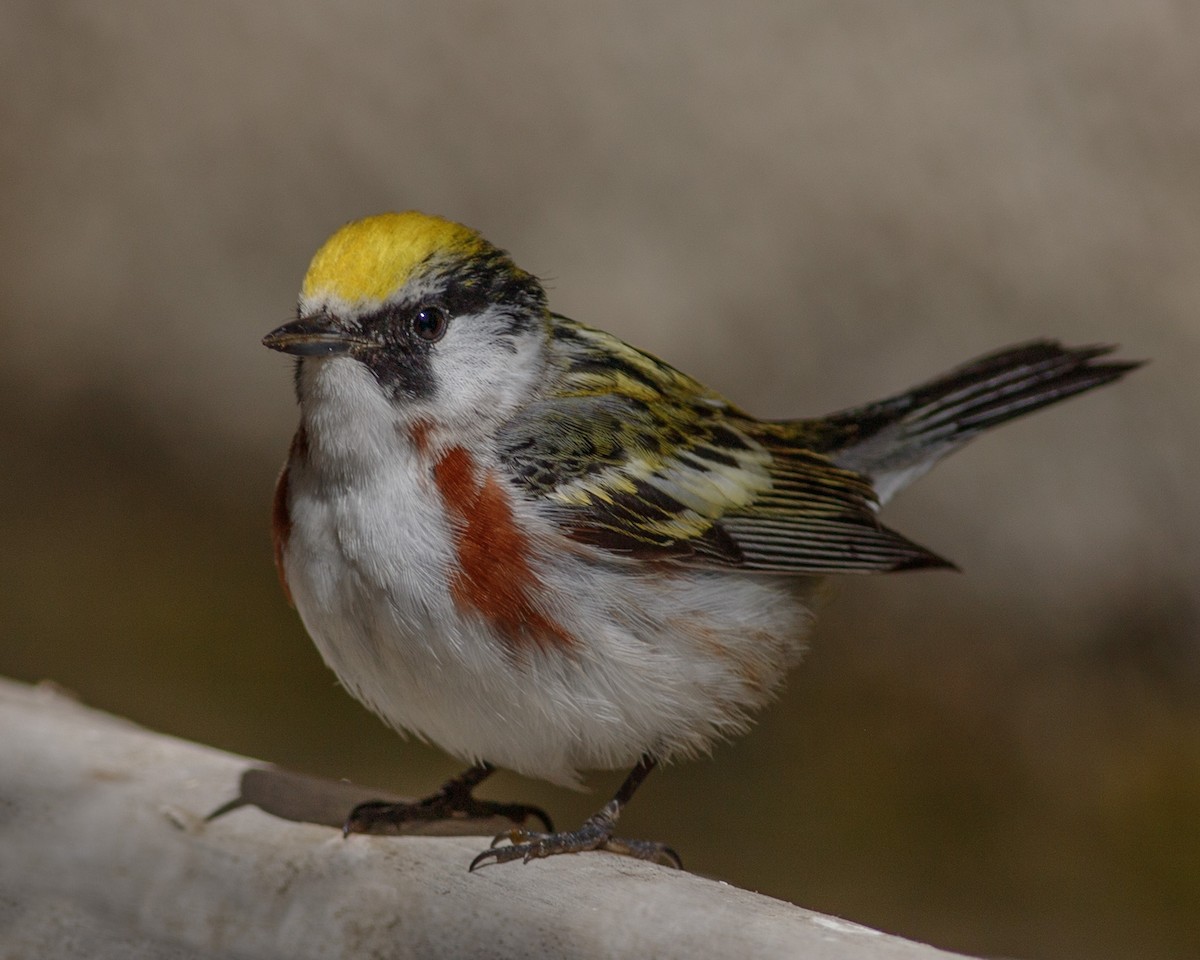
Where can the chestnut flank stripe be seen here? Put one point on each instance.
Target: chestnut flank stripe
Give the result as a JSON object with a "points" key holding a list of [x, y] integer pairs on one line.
{"points": [[281, 518], [494, 576]]}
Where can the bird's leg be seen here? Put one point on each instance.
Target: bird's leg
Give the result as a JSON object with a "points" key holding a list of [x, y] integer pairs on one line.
{"points": [[595, 834], [452, 801]]}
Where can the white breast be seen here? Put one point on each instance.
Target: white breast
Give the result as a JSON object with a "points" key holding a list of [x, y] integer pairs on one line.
{"points": [[663, 660]]}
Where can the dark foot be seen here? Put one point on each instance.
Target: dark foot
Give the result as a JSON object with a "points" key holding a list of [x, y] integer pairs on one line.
{"points": [[453, 801], [595, 834]]}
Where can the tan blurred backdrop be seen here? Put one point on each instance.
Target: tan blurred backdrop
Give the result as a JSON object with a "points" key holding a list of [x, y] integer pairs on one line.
{"points": [[806, 205]]}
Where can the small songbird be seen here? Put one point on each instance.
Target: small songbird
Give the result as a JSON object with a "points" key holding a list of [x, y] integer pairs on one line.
{"points": [[540, 548]]}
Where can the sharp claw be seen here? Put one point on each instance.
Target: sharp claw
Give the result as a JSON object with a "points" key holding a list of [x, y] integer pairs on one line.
{"points": [[370, 817], [352, 819], [479, 860], [501, 855]]}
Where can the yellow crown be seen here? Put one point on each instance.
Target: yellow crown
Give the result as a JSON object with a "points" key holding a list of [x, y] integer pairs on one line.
{"points": [[370, 259]]}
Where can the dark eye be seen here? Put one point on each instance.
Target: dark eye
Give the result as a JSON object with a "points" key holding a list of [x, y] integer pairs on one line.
{"points": [[429, 323]]}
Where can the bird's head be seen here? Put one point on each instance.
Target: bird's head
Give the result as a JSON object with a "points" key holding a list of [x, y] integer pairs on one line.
{"points": [[421, 313]]}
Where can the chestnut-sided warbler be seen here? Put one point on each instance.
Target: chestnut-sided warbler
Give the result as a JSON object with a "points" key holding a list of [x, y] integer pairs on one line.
{"points": [[539, 547]]}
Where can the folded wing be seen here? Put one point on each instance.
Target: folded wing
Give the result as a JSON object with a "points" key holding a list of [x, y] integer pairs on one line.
{"points": [[629, 455]]}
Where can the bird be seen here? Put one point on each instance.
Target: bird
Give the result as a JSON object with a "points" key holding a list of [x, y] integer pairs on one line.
{"points": [[540, 548]]}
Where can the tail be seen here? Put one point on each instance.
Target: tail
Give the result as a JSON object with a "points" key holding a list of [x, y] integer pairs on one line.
{"points": [[896, 440]]}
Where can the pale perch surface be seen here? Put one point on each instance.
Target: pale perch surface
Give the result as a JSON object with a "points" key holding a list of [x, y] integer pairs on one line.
{"points": [[105, 853]]}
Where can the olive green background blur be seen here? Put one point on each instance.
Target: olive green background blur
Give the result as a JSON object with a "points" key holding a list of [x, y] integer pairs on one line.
{"points": [[805, 204]]}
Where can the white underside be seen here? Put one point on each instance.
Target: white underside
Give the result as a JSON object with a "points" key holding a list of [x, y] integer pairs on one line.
{"points": [[666, 659]]}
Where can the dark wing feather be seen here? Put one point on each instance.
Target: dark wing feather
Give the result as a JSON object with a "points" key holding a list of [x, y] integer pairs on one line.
{"points": [[629, 455]]}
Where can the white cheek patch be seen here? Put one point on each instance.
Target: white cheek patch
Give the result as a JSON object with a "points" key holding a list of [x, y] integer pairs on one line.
{"points": [[483, 368]]}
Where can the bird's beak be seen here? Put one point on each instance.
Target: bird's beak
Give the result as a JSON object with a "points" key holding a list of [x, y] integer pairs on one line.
{"points": [[317, 336]]}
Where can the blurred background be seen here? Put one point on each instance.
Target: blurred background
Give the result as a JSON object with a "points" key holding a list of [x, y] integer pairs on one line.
{"points": [[806, 205]]}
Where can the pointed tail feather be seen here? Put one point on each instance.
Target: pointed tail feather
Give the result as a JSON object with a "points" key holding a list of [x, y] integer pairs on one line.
{"points": [[896, 440]]}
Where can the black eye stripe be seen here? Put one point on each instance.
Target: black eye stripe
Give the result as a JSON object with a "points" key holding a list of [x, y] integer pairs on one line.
{"points": [[461, 299]]}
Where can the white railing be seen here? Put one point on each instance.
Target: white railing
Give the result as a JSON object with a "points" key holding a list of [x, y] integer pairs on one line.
{"points": [[105, 852]]}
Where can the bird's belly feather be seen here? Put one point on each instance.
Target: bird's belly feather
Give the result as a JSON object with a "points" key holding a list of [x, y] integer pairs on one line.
{"points": [[663, 659]]}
